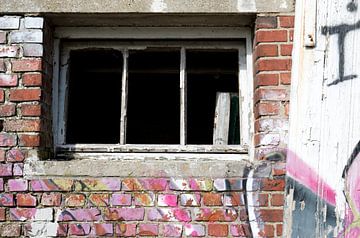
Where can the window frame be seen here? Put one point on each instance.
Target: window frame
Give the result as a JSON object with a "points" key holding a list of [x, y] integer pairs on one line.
{"points": [[87, 37]]}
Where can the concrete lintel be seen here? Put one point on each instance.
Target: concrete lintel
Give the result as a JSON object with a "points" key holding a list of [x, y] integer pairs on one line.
{"points": [[146, 6]]}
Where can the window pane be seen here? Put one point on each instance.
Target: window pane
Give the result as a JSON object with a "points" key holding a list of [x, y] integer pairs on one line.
{"points": [[208, 73], [153, 115], [94, 97]]}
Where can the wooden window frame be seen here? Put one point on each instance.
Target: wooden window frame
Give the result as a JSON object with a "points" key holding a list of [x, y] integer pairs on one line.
{"points": [[122, 39]]}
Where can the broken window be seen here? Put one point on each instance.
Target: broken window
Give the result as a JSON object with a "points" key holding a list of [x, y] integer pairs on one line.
{"points": [[182, 93]]}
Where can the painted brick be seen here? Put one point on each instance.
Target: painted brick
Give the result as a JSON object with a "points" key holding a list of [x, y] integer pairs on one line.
{"points": [[18, 95], [51, 199], [240, 230], [6, 200], [5, 170], [104, 184], [271, 94], [2, 65], [80, 214], [279, 169], [7, 140], [15, 155], [45, 229], [74, 200], [267, 139], [104, 229], [271, 124], [8, 80], [124, 214], [271, 215], [7, 110], [212, 199], [172, 230], [10, 230], [2, 95], [51, 185], [266, 22], [33, 50], [24, 65], [190, 200], [286, 109], [271, 36], [151, 184], [62, 230], [286, 21], [34, 214], [191, 184], [26, 36], [17, 185], [2, 214], [233, 199], [18, 169], [125, 230], [9, 22], [215, 214], [30, 110], [26, 200], [79, 229], [194, 230], [218, 230], [2, 155], [272, 184], [118, 199], [228, 184], [34, 22], [267, 79], [148, 230], [22, 125], [2, 37], [144, 199], [99, 200], [32, 79], [28, 140], [1, 184], [277, 200], [168, 214], [273, 65], [167, 200], [9, 51]]}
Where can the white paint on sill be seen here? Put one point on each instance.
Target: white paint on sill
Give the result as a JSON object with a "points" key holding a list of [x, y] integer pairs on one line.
{"points": [[158, 6]]}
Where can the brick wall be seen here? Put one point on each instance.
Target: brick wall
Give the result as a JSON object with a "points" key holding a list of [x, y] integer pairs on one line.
{"points": [[250, 204]]}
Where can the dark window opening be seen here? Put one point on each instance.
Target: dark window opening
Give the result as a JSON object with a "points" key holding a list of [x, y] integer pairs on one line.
{"points": [[209, 72], [153, 112], [94, 97]]}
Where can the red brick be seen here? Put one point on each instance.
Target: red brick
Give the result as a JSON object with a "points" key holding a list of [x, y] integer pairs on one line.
{"points": [[29, 140], [2, 65], [125, 230], [285, 78], [266, 51], [148, 230], [272, 184], [286, 50], [2, 155], [75, 200], [32, 79], [266, 22], [268, 231], [273, 65], [267, 79], [271, 215], [2, 214], [271, 94], [286, 109], [2, 37], [8, 80], [5, 170], [30, 110], [277, 200], [15, 155], [2, 95], [18, 95], [279, 229], [267, 108], [242, 230], [271, 36], [22, 125], [103, 229], [215, 214], [286, 21], [212, 199], [7, 110], [233, 199], [24, 65], [291, 35], [25, 200], [51, 199], [218, 230]]}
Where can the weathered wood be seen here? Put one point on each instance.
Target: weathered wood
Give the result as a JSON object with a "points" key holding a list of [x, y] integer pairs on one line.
{"points": [[124, 91], [183, 96], [222, 119]]}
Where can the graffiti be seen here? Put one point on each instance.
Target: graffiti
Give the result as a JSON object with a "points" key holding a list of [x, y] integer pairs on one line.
{"points": [[342, 30]]}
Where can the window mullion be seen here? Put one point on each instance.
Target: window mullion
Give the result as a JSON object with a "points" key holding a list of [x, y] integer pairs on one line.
{"points": [[124, 91], [183, 96]]}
